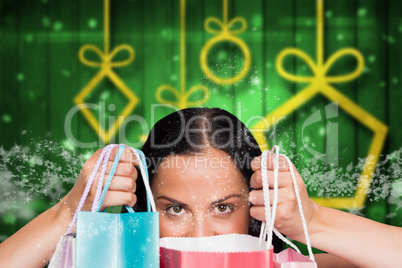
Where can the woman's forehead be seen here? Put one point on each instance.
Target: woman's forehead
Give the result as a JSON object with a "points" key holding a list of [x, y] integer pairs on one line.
{"points": [[204, 175]]}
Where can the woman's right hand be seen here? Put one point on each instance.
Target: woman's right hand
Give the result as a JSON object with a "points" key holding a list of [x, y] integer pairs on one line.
{"points": [[34, 244], [287, 220], [121, 190]]}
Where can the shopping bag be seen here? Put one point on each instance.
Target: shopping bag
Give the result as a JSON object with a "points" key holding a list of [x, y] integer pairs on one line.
{"points": [[289, 258], [113, 240], [63, 257], [229, 250], [118, 240]]}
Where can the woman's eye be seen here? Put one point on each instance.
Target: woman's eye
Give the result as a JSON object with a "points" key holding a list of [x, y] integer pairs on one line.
{"points": [[175, 210], [223, 209]]}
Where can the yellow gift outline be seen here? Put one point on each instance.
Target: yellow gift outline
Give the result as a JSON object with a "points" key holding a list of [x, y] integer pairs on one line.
{"points": [[182, 96], [106, 65], [320, 84]]}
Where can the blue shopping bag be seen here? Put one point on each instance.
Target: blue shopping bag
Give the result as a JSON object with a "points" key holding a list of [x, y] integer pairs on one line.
{"points": [[118, 240]]}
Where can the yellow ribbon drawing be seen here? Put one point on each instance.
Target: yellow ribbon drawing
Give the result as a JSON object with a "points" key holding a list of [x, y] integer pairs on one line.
{"points": [[226, 33], [106, 64], [182, 97], [319, 83]]}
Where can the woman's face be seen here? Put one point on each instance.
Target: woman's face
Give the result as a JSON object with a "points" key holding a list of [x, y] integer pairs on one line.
{"points": [[201, 195]]}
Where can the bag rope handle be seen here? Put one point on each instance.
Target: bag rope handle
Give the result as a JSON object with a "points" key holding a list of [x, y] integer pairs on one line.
{"points": [[270, 220], [299, 204], [145, 177], [88, 186], [100, 194], [109, 179], [102, 178]]}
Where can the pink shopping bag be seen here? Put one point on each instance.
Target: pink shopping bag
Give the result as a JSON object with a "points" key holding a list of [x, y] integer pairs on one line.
{"points": [[231, 250], [289, 258]]}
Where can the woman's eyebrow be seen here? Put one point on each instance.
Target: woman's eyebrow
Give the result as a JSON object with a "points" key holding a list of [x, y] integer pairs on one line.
{"points": [[171, 200], [225, 198]]}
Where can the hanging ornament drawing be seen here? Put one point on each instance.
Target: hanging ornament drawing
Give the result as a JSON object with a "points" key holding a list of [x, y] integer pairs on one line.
{"points": [[183, 97], [319, 83], [106, 65], [226, 33]]}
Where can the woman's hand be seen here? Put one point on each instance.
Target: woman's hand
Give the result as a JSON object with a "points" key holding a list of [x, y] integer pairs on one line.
{"points": [[287, 220], [121, 190], [34, 244]]}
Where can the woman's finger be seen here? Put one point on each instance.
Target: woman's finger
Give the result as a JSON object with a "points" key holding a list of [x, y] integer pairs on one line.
{"points": [[284, 179], [282, 163], [124, 184], [126, 157], [118, 198], [256, 197], [258, 213], [123, 169]]}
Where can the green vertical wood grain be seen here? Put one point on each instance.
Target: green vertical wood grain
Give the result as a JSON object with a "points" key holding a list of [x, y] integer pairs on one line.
{"points": [[9, 90], [250, 90], [372, 85], [33, 87], [161, 54], [88, 11], [221, 95], [279, 32], [308, 135], [9, 76], [340, 33], [128, 18], [62, 69], [393, 110]]}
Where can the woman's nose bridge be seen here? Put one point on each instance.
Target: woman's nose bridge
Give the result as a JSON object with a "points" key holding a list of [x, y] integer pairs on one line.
{"points": [[202, 226]]}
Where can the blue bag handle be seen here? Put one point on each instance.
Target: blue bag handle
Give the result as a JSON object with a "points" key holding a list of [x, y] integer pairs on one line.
{"points": [[144, 172]]}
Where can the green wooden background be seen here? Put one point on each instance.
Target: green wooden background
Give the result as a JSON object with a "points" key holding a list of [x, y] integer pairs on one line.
{"points": [[40, 74]]}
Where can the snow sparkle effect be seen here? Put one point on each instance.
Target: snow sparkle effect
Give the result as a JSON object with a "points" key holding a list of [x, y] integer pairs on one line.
{"points": [[46, 171], [42, 170]]}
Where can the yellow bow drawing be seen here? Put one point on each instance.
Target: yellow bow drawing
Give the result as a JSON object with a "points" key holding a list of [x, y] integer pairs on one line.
{"points": [[182, 97], [320, 83], [225, 33], [106, 64]]}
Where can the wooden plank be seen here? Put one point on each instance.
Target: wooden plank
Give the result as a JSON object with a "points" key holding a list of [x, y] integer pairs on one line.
{"points": [[62, 69], [161, 53], [279, 33], [127, 28], [91, 31], [194, 42], [9, 82], [32, 65], [309, 135], [249, 97], [394, 96], [9, 89], [371, 86], [340, 25], [221, 95]]}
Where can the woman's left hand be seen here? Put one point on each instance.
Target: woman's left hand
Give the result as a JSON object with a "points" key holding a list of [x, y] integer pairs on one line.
{"points": [[287, 219]]}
